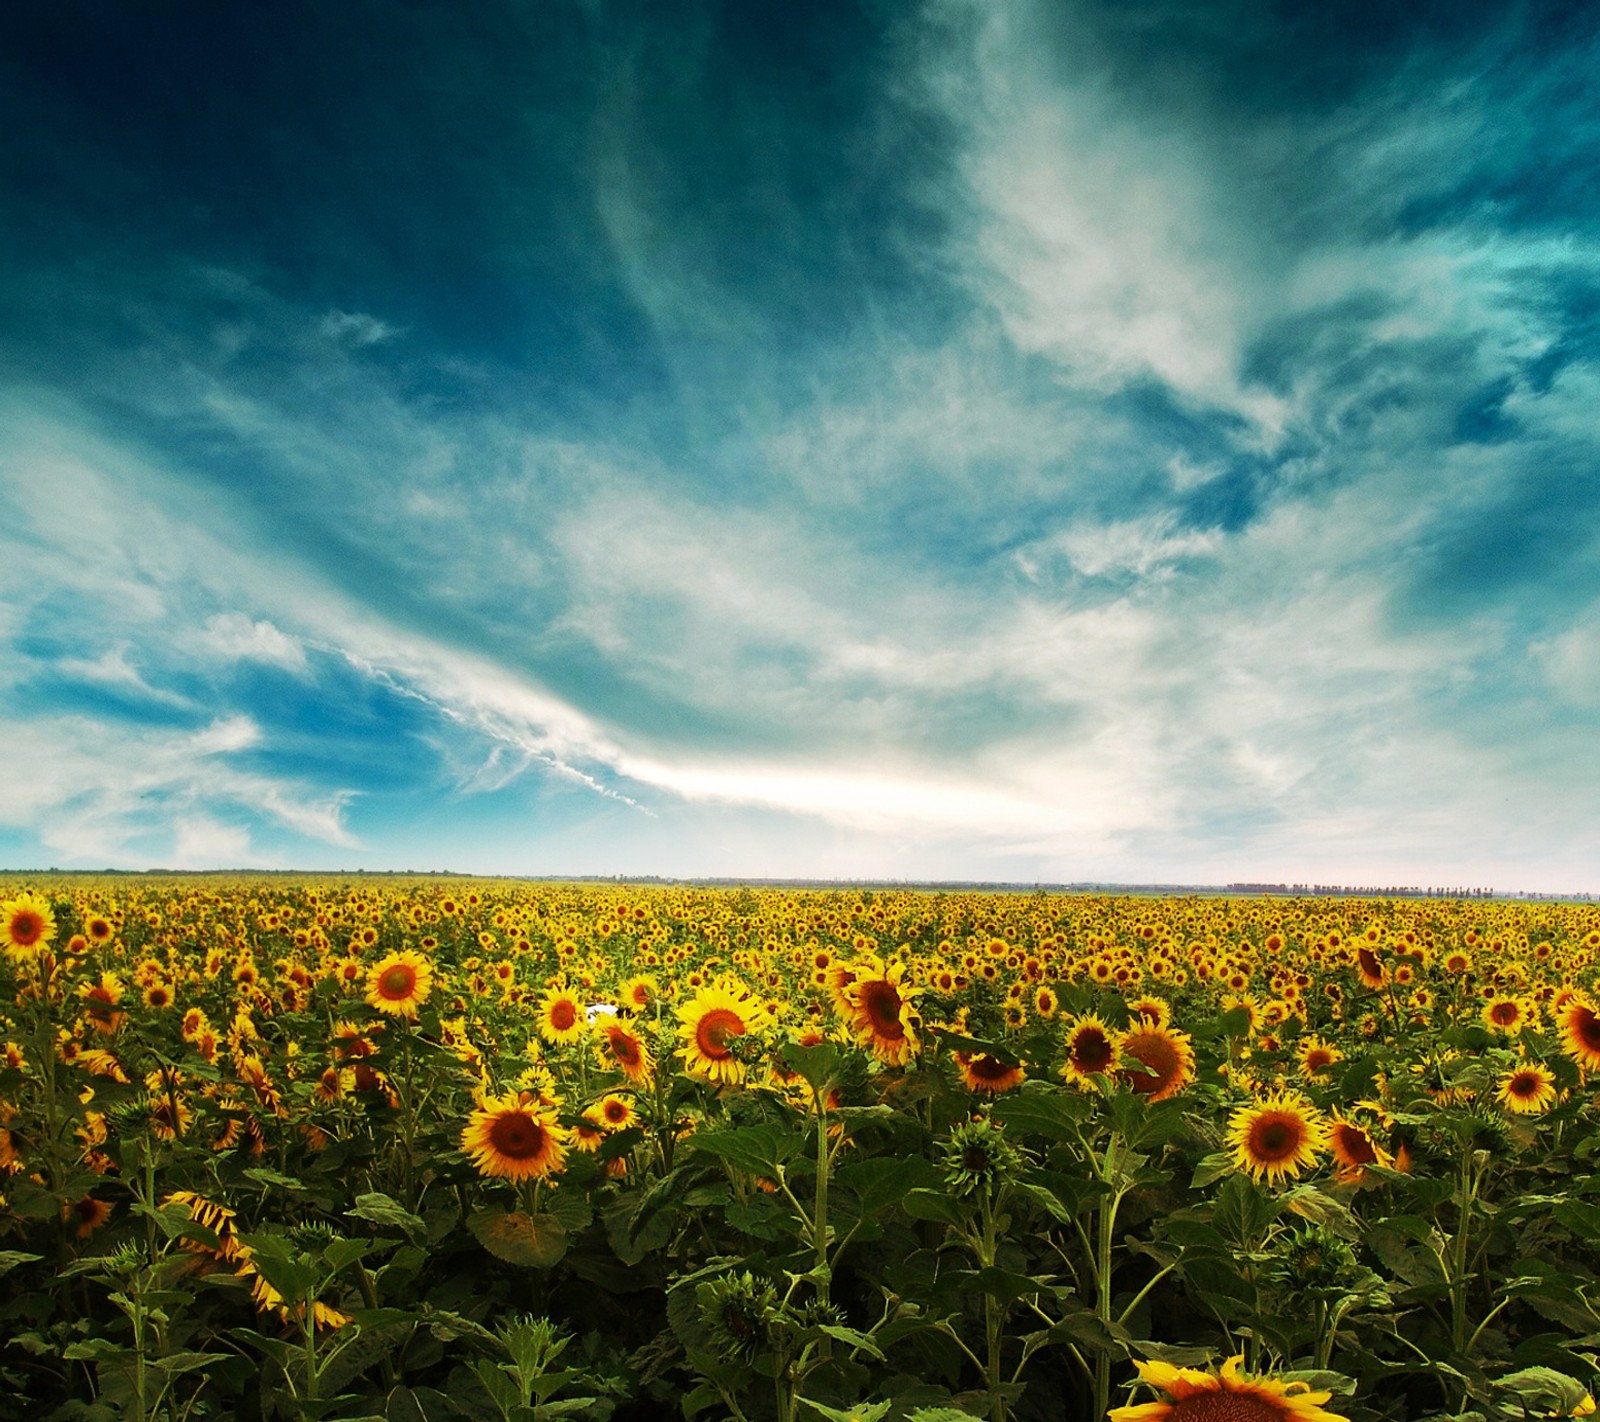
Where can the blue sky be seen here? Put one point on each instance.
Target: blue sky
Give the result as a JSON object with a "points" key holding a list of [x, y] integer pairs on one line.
{"points": [[1126, 441]]}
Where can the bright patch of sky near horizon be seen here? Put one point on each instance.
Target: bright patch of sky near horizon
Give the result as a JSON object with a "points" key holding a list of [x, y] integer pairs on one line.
{"points": [[1128, 441]]}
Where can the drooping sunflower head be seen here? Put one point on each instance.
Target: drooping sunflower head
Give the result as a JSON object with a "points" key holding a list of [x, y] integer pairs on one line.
{"points": [[880, 1012], [400, 983], [1158, 1062], [1277, 1137], [620, 1046], [987, 1074], [1354, 1146]]}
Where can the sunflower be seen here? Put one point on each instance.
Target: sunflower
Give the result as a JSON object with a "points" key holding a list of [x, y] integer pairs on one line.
{"points": [[639, 992], [1277, 1137], [880, 1012], [1315, 1057], [88, 1214], [1354, 1148], [100, 1001], [1224, 1396], [562, 1017], [1370, 969], [400, 983], [617, 1112], [1165, 1057], [708, 1023], [26, 924], [1508, 1015], [984, 1073], [514, 1138], [1580, 1031], [621, 1047], [1093, 1049], [1528, 1090]]}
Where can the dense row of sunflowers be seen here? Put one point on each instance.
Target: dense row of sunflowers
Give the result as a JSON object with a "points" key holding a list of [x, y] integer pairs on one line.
{"points": [[418, 1148]]}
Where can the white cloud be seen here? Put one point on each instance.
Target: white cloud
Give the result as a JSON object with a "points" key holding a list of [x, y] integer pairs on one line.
{"points": [[1143, 547], [235, 636], [355, 328], [201, 842]]}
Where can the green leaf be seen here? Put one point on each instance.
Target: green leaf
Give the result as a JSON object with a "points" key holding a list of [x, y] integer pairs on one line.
{"points": [[387, 1213], [13, 1258], [32, 1202], [534, 1241], [273, 1180], [861, 1412], [818, 1065], [852, 1338], [1044, 1198], [882, 1181], [1055, 1115], [756, 1150], [935, 1205], [1242, 1210]]}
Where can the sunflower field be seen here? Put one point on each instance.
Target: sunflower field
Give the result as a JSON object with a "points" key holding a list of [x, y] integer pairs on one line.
{"points": [[336, 1148]]}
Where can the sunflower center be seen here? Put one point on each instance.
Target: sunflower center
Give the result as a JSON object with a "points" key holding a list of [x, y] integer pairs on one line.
{"points": [[1504, 1013], [1160, 1056], [713, 1031], [563, 1015], [1354, 1145], [1091, 1050], [1525, 1083], [1588, 1029], [1274, 1137], [398, 981], [987, 1068], [881, 1003], [1226, 1407], [624, 1049], [516, 1135], [26, 928]]}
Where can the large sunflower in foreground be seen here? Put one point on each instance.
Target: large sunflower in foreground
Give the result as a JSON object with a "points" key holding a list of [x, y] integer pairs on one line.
{"points": [[26, 923], [514, 1138], [400, 983], [1579, 1025], [1158, 1062], [710, 1022], [1277, 1137], [1225, 1396]]}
